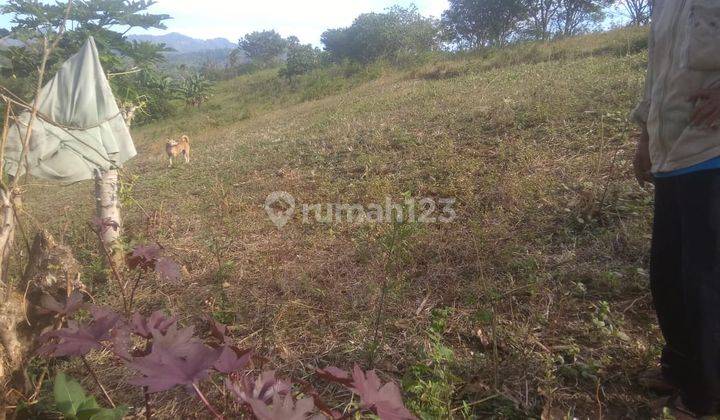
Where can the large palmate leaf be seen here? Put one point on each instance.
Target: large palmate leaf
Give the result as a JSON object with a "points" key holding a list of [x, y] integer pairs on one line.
{"points": [[80, 339], [168, 270], [179, 342], [144, 257], [232, 360], [386, 399], [150, 257], [166, 368], [177, 358], [284, 408], [158, 323], [264, 388]]}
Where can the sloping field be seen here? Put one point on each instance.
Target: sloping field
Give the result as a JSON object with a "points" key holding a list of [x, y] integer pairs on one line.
{"points": [[538, 288]]}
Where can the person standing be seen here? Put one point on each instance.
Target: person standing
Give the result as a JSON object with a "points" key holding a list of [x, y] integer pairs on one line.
{"points": [[679, 151]]}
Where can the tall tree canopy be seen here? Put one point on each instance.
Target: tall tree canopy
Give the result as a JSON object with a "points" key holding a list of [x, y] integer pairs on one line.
{"points": [[542, 18], [578, 16], [480, 23], [398, 31], [477, 23], [107, 21], [264, 47], [639, 11]]}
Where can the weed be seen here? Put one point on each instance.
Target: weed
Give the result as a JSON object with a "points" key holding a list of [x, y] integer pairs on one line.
{"points": [[431, 384]]}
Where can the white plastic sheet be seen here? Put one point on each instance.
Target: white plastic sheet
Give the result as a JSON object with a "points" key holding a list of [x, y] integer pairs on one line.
{"points": [[79, 130]]}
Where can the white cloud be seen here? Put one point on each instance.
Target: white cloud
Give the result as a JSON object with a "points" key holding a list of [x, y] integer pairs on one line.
{"points": [[305, 19]]}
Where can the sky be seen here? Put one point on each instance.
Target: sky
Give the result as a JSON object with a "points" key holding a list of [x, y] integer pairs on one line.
{"points": [[232, 19]]}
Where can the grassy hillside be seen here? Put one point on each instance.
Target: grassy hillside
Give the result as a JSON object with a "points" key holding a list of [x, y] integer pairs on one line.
{"points": [[534, 301]]}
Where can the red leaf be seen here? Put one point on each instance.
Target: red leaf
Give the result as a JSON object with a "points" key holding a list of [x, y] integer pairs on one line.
{"points": [[144, 257], [79, 340], [121, 343], [163, 369], [158, 322], [231, 362], [147, 252], [179, 342], [283, 408], [264, 388], [218, 330], [386, 399], [168, 270]]}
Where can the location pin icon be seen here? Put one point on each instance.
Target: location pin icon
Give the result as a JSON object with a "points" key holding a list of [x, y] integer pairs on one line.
{"points": [[280, 207]]}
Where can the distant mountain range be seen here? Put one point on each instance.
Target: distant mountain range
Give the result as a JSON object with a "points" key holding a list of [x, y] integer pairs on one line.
{"points": [[189, 51], [183, 44]]}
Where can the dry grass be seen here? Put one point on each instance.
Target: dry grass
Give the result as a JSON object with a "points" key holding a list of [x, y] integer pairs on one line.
{"points": [[537, 153]]}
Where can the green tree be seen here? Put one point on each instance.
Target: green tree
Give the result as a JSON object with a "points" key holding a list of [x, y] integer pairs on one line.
{"points": [[639, 11], [264, 47], [542, 18], [579, 16], [389, 35], [301, 59], [479, 23]]}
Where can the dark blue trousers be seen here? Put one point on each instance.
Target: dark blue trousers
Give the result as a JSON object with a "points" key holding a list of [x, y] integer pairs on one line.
{"points": [[685, 282]]}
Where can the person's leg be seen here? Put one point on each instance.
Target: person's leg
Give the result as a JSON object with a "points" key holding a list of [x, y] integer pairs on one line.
{"points": [[699, 195], [666, 280]]}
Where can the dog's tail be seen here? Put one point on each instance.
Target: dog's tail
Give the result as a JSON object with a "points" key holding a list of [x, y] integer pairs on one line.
{"points": [[185, 139]]}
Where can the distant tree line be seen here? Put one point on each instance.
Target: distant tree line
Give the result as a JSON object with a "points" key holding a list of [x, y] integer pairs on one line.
{"points": [[402, 33], [398, 35], [482, 23]]}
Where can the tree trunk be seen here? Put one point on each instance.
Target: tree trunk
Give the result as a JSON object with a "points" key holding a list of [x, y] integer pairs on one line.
{"points": [[52, 270], [107, 189], [7, 231]]}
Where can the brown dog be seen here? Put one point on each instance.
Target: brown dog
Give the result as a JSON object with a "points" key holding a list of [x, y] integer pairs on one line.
{"points": [[176, 148]]}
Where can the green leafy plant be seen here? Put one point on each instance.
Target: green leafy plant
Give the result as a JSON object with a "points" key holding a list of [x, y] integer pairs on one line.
{"points": [[431, 383], [195, 89], [605, 322], [72, 401]]}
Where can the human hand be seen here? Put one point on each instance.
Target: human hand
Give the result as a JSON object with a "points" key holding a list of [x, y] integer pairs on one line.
{"points": [[707, 108], [642, 164]]}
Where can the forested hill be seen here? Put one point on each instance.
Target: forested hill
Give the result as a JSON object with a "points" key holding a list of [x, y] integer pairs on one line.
{"points": [[185, 44]]}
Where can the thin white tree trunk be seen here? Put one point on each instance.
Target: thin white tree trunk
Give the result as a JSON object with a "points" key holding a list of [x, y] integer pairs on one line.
{"points": [[107, 189], [7, 231]]}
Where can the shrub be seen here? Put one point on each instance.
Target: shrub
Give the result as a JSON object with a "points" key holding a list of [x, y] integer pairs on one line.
{"points": [[301, 60], [382, 35]]}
